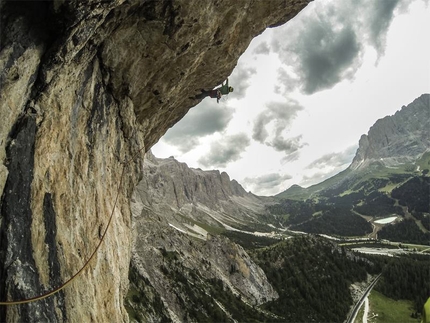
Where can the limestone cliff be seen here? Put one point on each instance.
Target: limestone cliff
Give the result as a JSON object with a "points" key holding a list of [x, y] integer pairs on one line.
{"points": [[397, 139], [173, 189], [181, 271], [173, 207], [85, 88]]}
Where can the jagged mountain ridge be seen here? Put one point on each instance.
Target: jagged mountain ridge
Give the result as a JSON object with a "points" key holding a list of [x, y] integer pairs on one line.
{"points": [[392, 143], [179, 201], [388, 178], [174, 207], [180, 268], [185, 194], [397, 139], [205, 196]]}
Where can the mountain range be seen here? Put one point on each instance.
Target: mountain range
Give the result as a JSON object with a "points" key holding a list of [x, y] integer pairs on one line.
{"points": [[394, 144], [198, 228], [398, 139], [395, 150]]}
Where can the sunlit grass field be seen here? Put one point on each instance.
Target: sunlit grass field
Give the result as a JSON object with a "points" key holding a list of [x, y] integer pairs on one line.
{"points": [[386, 310]]}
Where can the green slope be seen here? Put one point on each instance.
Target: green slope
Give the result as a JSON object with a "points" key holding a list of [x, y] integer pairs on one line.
{"points": [[368, 178]]}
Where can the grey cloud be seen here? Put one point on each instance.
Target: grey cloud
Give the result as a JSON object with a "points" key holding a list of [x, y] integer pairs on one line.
{"points": [[267, 182], [259, 132], [328, 166], [328, 62], [334, 159], [206, 118], [326, 45], [380, 21], [281, 114], [291, 157], [288, 146], [287, 83], [223, 152], [239, 80], [323, 58], [262, 49]]}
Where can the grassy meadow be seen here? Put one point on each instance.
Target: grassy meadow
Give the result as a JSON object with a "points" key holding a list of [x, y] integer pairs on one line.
{"points": [[386, 310]]}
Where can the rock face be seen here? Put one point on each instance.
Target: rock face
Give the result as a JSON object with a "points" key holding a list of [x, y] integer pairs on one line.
{"points": [[171, 206], [210, 197], [86, 88], [162, 254], [393, 142], [397, 139]]}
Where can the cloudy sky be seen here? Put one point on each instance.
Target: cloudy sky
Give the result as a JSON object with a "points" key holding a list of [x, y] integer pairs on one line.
{"points": [[306, 91]]}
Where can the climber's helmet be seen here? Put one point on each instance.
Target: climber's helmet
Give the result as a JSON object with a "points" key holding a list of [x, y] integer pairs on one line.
{"points": [[230, 89]]}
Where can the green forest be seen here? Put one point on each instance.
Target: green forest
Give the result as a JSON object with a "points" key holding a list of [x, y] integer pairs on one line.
{"points": [[415, 194], [336, 221], [341, 215], [320, 217], [407, 278], [312, 277], [405, 231]]}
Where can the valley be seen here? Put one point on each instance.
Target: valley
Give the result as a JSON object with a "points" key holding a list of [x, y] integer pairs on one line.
{"points": [[307, 254]]}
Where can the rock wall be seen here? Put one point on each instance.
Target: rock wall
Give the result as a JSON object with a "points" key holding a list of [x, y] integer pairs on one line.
{"points": [[86, 87], [173, 207], [397, 139], [168, 260], [175, 190]]}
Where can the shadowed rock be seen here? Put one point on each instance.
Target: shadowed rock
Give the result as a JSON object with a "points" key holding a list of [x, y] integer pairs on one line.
{"points": [[99, 82]]}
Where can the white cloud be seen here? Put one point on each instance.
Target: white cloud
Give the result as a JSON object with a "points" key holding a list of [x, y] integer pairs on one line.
{"points": [[280, 115], [262, 49], [335, 159], [206, 119], [289, 146], [226, 151], [266, 184], [326, 45], [330, 50], [240, 80]]}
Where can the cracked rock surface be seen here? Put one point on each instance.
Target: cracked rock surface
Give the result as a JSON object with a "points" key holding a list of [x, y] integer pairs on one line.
{"points": [[86, 87]]}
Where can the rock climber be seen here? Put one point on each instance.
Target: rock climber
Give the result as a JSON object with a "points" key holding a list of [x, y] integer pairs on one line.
{"points": [[217, 93]]}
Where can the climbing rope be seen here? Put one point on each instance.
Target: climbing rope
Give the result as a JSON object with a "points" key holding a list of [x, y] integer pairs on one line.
{"points": [[86, 264]]}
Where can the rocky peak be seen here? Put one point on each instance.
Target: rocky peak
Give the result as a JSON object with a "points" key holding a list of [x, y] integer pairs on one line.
{"points": [[205, 196], [178, 184], [197, 263], [397, 139], [172, 208]]}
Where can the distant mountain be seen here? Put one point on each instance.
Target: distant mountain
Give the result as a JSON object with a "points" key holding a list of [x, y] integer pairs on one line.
{"points": [[397, 139], [389, 177], [197, 234], [185, 194], [182, 269], [394, 144]]}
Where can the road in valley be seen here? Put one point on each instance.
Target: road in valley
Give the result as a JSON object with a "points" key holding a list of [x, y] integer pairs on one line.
{"points": [[366, 309], [357, 305]]}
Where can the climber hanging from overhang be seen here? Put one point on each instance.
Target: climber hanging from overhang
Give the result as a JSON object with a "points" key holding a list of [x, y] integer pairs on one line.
{"points": [[217, 93]]}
